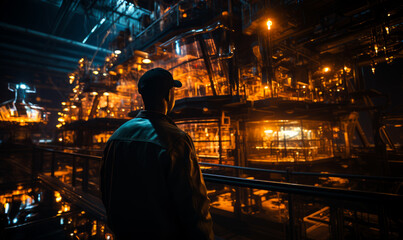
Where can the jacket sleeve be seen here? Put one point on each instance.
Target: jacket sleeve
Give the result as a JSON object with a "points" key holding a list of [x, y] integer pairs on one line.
{"points": [[189, 192]]}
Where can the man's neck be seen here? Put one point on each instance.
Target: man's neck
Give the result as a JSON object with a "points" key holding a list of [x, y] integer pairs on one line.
{"points": [[162, 111]]}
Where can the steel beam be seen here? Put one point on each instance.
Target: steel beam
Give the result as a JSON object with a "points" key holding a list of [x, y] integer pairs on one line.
{"points": [[52, 37]]}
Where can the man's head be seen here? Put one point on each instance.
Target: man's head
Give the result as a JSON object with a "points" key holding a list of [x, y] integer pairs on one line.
{"points": [[156, 87]]}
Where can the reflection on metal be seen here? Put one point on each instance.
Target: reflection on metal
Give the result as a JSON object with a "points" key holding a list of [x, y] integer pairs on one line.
{"points": [[36, 205]]}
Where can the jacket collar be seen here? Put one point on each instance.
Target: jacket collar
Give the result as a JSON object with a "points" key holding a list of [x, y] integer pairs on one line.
{"points": [[152, 115]]}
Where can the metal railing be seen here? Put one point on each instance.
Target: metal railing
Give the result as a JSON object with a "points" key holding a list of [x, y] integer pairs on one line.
{"points": [[302, 209]]}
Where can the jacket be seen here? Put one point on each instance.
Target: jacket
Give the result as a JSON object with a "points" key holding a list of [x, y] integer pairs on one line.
{"points": [[151, 183]]}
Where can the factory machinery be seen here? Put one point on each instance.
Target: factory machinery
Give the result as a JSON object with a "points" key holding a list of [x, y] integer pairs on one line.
{"points": [[20, 120], [264, 82]]}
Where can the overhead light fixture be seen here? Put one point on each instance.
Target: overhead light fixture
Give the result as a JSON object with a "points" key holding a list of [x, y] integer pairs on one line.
{"points": [[269, 23], [146, 61]]}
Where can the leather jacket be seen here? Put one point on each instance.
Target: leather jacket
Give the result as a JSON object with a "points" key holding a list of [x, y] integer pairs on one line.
{"points": [[151, 183]]}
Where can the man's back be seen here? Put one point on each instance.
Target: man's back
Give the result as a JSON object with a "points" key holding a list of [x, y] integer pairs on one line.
{"points": [[151, 183]]}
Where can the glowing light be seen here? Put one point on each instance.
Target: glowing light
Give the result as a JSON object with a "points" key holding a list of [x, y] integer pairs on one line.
{"points": [[117, 52], [60, 119], [73, 106], [268, 131], [112, 73], [60, 139], [146, 61], [66, 208], [398, 125], [326, 69], [185, 15], [94, 93], [106, 94], [23, 86], [58, 197], [269, 23], [95, 72]]}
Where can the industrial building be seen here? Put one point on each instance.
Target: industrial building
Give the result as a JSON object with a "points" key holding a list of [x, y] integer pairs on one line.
{"points": [[294, 108]]}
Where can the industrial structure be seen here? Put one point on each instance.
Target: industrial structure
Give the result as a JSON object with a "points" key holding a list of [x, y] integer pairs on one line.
{"points": [[259, 87], [296, 123]]}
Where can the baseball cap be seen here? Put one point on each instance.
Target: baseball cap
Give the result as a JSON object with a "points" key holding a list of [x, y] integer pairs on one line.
{"points": [[157, 81]]}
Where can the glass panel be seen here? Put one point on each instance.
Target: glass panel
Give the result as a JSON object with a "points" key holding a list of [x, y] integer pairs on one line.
{"points": [[288, 141], [213, 143]]}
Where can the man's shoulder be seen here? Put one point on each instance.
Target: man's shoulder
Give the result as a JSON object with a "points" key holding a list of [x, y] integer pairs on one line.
{"points": [[159, 132]]}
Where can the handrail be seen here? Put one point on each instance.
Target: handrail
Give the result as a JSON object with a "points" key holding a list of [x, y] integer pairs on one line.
{"points": [[380, 178], [292, 188], [69, 153], [313, 191]]}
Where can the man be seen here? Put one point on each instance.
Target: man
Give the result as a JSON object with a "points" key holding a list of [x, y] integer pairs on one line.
{"points": [[151, 183]]}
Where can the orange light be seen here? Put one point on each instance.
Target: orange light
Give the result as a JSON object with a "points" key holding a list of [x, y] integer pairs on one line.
{"points": [[185, 15], [269, 23], [326, 69]]}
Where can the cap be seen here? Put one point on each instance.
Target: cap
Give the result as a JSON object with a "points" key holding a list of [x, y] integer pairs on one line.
{"points": [[157, 81]]}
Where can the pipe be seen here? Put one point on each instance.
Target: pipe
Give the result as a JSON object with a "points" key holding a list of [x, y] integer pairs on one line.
{"points": [[63, 51], [35, 66], [37, 53], [52, 37], [34, 59]]}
